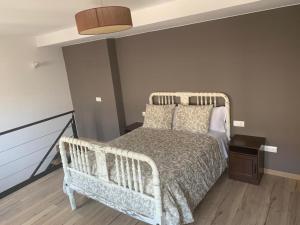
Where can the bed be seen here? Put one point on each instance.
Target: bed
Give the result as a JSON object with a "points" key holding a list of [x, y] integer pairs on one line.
{"points": [[154, 175]]}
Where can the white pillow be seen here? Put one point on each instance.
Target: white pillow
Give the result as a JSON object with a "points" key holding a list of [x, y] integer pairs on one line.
{"points": [[218, 118]]}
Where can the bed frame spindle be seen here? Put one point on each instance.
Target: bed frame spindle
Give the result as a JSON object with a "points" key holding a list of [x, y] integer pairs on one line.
{"points": [[117, 170], [135, 184], [140, 177], [128, 175]]}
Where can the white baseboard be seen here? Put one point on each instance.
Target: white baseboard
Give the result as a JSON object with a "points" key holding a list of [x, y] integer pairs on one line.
{"points": [[282, 174]]}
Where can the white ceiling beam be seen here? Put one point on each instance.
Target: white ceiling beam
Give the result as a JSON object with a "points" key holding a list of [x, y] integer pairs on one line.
{"points": [[167, 15], [145, 19]]}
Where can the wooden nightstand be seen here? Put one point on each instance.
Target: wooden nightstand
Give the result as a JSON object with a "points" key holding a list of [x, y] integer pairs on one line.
{"points": [[133, 126], [246, 159]]}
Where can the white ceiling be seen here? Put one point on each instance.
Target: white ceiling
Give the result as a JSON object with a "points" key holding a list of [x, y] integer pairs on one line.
{"points": [[34, 17], [52, 21]]}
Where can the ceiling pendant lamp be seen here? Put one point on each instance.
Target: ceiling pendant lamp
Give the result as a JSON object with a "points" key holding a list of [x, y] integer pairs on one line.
{"points": [[103, 20]]}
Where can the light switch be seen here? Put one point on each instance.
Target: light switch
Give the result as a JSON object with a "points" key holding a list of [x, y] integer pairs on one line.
{"points": [[237, 123], [98, 99]]}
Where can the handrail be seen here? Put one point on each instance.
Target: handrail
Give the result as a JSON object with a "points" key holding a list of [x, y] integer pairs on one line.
{"points": [[52, 146], [35, 123], [34, 176]]}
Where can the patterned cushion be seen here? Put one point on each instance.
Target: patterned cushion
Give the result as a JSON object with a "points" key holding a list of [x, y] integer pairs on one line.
{"points": [[159, 116], [192, 118]]}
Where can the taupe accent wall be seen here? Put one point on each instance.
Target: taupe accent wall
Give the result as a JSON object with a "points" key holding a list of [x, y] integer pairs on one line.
{"points": [[253, 58], [90, 76]]}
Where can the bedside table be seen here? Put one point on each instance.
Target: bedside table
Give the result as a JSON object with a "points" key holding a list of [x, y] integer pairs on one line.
{"points": [[133, 126], [246, 159]]}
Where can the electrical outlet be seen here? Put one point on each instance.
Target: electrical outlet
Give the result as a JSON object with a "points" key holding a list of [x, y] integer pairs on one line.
{"points": [[143, 113], [237, 123], [98, 99], [268, 148]]}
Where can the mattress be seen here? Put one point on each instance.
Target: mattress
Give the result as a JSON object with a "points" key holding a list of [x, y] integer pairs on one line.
{"points": [[188, 163]]}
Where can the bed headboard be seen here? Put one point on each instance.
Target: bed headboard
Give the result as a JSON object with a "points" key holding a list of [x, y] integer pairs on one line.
{"points": [[194, 98]]}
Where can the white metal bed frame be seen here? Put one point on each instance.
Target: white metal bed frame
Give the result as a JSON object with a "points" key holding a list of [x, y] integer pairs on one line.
{"points": [[79, 176]]}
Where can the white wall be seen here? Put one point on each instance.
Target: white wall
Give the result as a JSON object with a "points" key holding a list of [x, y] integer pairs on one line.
{"points": [[28, 95]]}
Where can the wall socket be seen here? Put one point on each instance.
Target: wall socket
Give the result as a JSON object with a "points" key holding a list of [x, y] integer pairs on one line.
{"points": [[268, 148], [98, 99], [237, 123], [143, 113]]}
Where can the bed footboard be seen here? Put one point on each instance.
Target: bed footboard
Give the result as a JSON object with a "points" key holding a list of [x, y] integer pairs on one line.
{"points": [[111, 176]]}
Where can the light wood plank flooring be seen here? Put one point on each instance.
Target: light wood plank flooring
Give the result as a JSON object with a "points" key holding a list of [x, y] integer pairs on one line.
{"points": [[276, 201]]}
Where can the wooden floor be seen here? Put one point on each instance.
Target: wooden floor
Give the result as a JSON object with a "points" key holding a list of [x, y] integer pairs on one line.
{"points": [[276, 201]]}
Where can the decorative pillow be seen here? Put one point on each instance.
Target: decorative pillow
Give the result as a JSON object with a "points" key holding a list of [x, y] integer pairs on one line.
{"points": [[192, 118], [218, 118], [159, 116]]}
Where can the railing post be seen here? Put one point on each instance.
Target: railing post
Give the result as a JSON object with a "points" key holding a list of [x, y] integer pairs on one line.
{"points": [[74, 128]]}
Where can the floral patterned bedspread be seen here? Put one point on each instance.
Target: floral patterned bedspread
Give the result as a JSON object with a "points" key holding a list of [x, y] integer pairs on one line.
{"points": [[188, 163]]}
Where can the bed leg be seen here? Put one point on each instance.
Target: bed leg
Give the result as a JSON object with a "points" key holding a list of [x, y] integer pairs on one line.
{"points": [[162, 222], [70, 194], [65, 187]]}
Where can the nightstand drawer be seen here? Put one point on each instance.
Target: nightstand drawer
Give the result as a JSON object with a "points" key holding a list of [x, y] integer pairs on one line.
{"points": [[132, 127], [249, 151], [242, 166]]}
